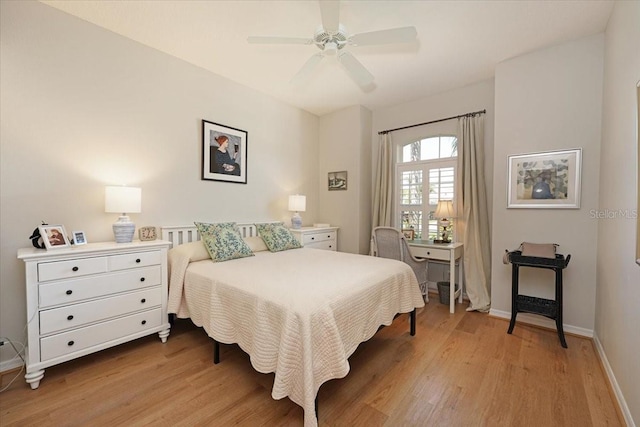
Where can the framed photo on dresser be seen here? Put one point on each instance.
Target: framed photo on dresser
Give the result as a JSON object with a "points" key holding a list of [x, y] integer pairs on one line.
{"points": [[54, 236], [224, 153]]}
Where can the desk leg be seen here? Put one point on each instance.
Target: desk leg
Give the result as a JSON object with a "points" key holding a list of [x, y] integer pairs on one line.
{"points": [[452, 282], [461, 277]]}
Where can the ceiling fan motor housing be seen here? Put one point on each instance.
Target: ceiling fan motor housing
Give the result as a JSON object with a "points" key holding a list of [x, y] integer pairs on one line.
{"points": [[328, 42]]}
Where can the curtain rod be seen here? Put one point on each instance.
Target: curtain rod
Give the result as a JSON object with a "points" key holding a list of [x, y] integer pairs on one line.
{"points": [[433, 121]]}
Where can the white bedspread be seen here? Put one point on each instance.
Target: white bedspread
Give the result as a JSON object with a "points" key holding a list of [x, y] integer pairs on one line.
{"points": [[299, 313]]}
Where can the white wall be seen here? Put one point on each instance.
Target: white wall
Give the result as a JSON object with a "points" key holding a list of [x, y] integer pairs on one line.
{"points": [[345, 145], [617, 313], [550, 100], [83, 107]]}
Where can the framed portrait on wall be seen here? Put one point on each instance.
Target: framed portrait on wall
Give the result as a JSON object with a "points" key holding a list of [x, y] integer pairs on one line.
{"points": [[224, 153], [545, 180]]}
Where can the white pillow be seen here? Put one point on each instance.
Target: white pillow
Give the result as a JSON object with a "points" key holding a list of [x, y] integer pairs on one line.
{"points": [[256, 244]]}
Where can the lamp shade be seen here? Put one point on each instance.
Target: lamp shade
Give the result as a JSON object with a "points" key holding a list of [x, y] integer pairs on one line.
{"points": [[297, 203], [122, 200], [445, 209]]}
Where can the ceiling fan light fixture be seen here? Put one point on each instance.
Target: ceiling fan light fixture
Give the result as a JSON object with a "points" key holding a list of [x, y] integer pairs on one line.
{"points": [[330, 48]]}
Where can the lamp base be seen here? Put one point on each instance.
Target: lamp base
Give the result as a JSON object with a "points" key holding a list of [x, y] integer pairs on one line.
{"points": [[296, 221], [123, 229]]}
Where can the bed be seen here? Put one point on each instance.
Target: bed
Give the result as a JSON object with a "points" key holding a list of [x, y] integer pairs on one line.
{"points": [[299, 313]]}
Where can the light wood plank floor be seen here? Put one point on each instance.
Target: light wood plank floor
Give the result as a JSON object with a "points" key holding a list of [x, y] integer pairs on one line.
{"points": [[459, 370]]}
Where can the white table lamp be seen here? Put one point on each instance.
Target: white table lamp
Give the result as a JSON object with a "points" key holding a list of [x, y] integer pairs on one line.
{"points": [[123, 200], [445, 212], [297, 203]]}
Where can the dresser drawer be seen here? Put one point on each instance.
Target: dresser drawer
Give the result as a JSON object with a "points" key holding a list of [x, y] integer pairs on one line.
{"points": [[80, 339], [134, 260], [441, 254], [64, 269], [74, 290], [328, 245], [318, 237], [75, 315]]}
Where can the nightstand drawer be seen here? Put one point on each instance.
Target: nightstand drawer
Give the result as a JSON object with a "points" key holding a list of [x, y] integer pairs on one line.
{"points": [[74, 268], [318, 237], [80, 339], [76, 315], [135, 260], [329, 245], [74, 290], [441, 254]]}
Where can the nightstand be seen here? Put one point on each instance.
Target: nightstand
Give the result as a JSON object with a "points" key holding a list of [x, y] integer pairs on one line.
{"points": [[87, 298], [317, 237]]}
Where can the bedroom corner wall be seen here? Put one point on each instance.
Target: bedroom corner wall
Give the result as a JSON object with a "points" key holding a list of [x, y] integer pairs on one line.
{"points": [[617, 313], [345, 145], [550, 99], [82, 107]]}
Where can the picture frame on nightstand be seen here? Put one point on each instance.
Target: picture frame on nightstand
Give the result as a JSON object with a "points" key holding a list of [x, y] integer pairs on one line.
{"points": [[79, 238], [54, 236]]}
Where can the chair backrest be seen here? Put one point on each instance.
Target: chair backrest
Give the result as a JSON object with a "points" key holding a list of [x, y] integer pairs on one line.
{"points": [[387, 243]]}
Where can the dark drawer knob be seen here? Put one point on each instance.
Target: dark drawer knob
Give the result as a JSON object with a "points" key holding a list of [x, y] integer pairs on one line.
{"points": [[428, 253], [143, 300], [144, 322], [138, 260], [142, 279], [70, 317], [69, 292], [328, 237], [75, 268], [313, 238], [70, 343], [330, 246]]}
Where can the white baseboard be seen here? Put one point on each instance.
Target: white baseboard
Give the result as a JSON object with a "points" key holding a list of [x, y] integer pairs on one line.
{"points": [[536, 320], [626, 413]]}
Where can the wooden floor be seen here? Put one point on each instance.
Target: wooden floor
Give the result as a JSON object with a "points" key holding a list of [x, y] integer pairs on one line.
{"points": [[459, 370]]}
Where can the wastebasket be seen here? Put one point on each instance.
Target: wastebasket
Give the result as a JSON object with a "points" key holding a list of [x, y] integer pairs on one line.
{"points": [[443, 292]]}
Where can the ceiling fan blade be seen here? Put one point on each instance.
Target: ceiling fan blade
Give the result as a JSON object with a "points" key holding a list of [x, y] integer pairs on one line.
{"points": [[394, 35], [307, 68], [279, 40], [355, 69], [330, 11]]}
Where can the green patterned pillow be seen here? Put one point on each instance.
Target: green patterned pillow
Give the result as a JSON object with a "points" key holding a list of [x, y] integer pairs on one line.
{"points": [[277, 237], [206, 228], [223, 241]]}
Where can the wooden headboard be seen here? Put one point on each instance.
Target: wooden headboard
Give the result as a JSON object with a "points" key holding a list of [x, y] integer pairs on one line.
{"points": [[181, 234]]}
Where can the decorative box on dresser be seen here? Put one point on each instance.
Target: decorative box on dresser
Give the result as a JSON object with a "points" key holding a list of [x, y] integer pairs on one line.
{"points": [[317, 237], [90, 297]]}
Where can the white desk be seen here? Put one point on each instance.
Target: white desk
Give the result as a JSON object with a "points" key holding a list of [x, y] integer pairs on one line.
{"points": [[443, 252]]}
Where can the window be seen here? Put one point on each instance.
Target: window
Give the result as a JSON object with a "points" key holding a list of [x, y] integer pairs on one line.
{"points": [[426, 171]]}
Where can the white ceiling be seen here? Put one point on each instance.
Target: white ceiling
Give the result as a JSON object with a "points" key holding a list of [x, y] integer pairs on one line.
{"points": [[459, 42]]}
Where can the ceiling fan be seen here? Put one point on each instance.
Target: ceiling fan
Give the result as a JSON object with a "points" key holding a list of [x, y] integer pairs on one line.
{"points": [[332, 38]]}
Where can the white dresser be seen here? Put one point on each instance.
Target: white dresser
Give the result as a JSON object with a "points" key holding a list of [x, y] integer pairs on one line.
{"points": [[318, 237], [90, 297]]}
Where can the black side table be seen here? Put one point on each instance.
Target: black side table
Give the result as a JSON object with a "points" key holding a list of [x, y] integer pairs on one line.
{"points": [[528, 304]]}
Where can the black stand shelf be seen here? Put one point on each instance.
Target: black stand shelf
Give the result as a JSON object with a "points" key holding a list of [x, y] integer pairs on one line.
{"points": [[528, 304]]}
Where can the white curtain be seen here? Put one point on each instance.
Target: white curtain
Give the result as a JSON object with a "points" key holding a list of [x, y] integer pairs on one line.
{"points": [[474, 222], [383, 185]]}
